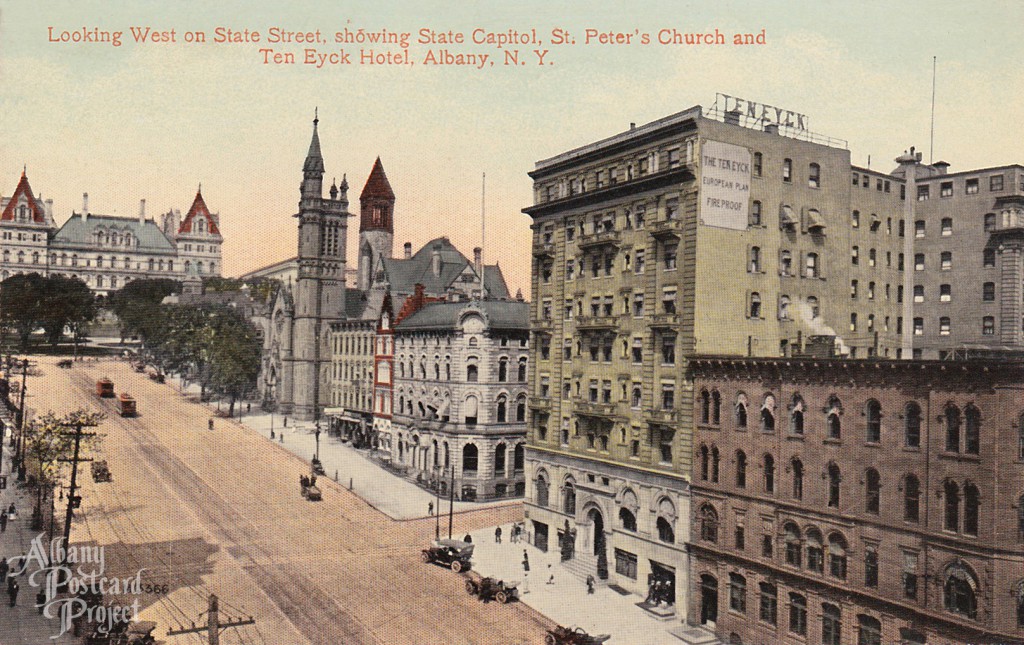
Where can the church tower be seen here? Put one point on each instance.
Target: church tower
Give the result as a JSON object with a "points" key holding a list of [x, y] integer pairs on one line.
{"points": [[319, 293], [376, 224]]}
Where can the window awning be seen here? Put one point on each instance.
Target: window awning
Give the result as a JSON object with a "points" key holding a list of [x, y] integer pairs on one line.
{"points": [[815, 222], [786, 216]]}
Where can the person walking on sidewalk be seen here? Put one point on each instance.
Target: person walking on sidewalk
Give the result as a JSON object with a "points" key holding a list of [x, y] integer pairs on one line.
{"points": [[210, 424], [590, 585], [3, 522], [526, 562], [430, 508], [12, 590], [551, 577], [3, 569], [497, 535]]}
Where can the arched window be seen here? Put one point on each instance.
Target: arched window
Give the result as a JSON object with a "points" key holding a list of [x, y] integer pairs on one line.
{"points": [[952, 428], [628, 519], [741, 469], [708, 523], [503, 370], [542, 489], [951, 518], [704, 460], [792, 534], [705, 406], [521, 408], [471, 410], [470, 455], [502, 409], [737, 593], [834, 478], [499, 460], [911, 498], [959, 591], [831, 624], [912, 425], [716, 407], [569, 498], [832, 419], [971, 503], [837, 556], [872, 491], [869, 630], [798, 478], [873, 412], [815, 551], [665, 531], [769, 474], [472, 374], [755, 305], [714, 464], [768, 414], [741, 414], [796, 417], [518, 458], [522, 370], [797, 614], [972, 430]]}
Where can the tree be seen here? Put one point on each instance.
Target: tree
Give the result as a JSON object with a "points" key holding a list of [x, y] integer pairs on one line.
{"points": [[234, 355], [67, 303], [21, 304], [137, 305]]}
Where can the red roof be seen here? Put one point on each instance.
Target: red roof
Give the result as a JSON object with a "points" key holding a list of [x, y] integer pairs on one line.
{"points": [[38, 214], [414, 303], [377, 184], [198, 208]]}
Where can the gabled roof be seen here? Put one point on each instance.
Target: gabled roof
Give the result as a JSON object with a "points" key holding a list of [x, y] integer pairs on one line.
{"points": [[23, 189], [377, 184], [198, 209], [404, 274], [78, 232]]}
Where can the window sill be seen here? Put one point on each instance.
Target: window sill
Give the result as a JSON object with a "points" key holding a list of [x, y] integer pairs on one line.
{"points": [[872, 444], [830, 440], [795, 437], [959, 456]]}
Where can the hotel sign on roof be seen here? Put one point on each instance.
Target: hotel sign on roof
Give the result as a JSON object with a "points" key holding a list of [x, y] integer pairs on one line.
{"points": [[761, 111]]}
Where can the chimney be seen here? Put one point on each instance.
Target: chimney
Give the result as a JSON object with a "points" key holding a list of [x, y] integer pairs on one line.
{"points": [[772, 128], [519, 295], [85, 206], [435, 260], [142, 211], [49, 209], [942, 167], [732, 117], [408, 250], [477, 255], [632, 125]]}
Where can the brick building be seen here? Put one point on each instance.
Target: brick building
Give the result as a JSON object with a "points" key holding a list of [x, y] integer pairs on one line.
{"points": [[858, 501]]}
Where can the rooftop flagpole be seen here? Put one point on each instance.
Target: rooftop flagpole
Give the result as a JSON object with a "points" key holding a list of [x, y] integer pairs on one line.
{"points": [[931, 151], [483, 233]]}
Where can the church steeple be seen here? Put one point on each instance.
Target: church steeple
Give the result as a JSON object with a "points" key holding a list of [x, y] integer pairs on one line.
{"points": [[313, 168], [377, 201]]}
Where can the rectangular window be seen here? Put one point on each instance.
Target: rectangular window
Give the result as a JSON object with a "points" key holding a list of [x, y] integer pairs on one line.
{"points": [[673, 158], [995, 183], [787, 170], [670, 256], [910, 575], [625, 564], [668, 396], [769, 603], [638, 304], [971, 187], [638, 261], [668, 300], [923, 193], [946, 189], [672, 208]]}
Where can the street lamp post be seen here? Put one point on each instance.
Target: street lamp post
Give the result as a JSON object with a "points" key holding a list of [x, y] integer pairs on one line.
{"points": [[437, 502], [317, 440], [20, 450]]}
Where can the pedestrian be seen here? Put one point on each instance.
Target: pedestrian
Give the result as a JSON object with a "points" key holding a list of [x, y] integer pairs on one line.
{"points": [[40, 600], [211, 424], [526, 562], [514, 533], [497, 535], [272, 436], [248, 408], [3, 569], [12, 511], [551, 577], [12, 590], [3, 522], [468, 539], [286, 422], [430, 508], [590, 585]]}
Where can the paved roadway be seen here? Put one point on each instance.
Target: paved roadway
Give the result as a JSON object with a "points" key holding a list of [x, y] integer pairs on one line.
{"points": [[220, 512]]}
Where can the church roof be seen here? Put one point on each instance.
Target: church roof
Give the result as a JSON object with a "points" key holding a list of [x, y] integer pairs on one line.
{"points": [[377, 184], [405, 274], [198, 208], [23, 189], [501, 314], [78, 232]]}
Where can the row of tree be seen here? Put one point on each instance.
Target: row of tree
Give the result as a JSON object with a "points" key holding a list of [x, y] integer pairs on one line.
{"points": [[54, 303], [212, 345]]}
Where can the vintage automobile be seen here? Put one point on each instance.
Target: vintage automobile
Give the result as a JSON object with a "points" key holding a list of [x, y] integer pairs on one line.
{"points": [[65, 364], [309, 488], [572, 636], [317, 467], [126, 405], [454, 554], [487, 589], [100, 471], [105, 388]]}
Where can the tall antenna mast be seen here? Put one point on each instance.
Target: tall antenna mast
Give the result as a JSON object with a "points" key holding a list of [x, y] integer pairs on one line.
{"points": [[931, 152], [483, 233]]}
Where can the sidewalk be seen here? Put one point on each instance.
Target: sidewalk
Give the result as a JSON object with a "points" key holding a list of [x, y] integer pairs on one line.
{"points": [[22, 624], [566, 601]]}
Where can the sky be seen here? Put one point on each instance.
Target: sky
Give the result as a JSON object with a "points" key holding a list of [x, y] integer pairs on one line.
{"points": [[153, 121]]}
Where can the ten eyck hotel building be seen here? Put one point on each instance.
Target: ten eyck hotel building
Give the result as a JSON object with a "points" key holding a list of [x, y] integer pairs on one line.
{"points": [[737, 232]]}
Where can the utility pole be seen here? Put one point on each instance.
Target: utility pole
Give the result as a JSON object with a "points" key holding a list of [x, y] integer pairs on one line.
{"points": [[451, 502], [437, 509], [213, 624], [19, 452], [73, 500]]}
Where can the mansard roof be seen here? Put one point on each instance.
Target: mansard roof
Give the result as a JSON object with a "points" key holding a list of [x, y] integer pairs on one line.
{"points": [[36, 206], [78, 232], [500, 314], [198, 209]]}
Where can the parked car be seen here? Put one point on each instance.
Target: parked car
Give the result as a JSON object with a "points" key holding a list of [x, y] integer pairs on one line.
{"points": [[454, 554], [493, 589], [573, 636]]}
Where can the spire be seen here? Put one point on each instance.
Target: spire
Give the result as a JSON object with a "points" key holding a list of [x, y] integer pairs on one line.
{"points": [[314, 160], [377, 184]]}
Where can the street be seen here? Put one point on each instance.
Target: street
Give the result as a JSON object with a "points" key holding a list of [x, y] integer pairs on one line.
{"points": [[220, 512]]}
